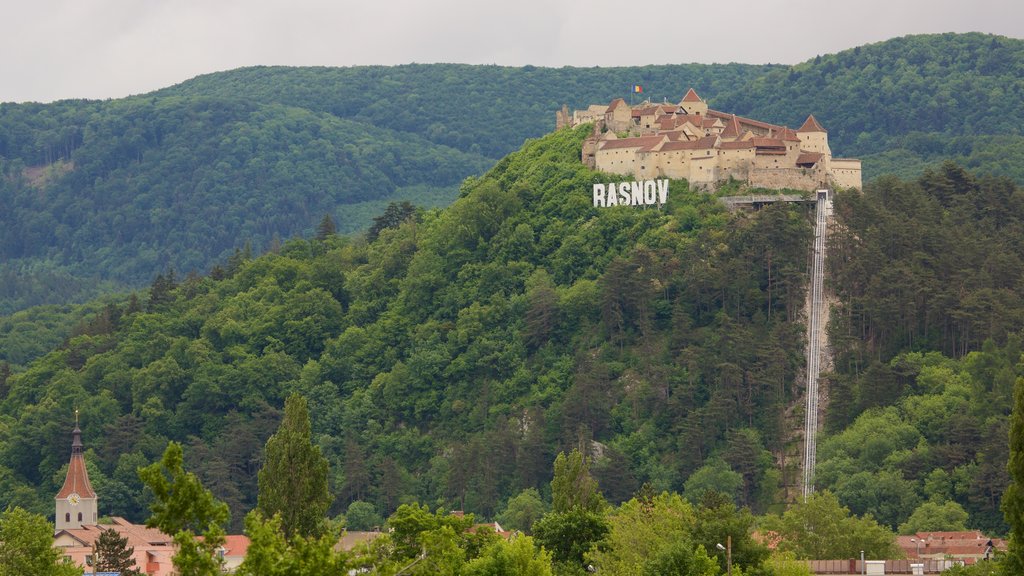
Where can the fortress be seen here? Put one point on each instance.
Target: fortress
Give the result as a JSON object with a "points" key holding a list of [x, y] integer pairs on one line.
{"points": [[707, 147]]}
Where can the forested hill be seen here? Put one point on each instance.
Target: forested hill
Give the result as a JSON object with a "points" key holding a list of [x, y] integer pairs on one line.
{"points": [[483, 109], [904, 103], [100, 195], [447, 360]]}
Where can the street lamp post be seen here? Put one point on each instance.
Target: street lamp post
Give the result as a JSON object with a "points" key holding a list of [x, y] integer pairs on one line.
{"points": [[728, 554], [918, 542]]}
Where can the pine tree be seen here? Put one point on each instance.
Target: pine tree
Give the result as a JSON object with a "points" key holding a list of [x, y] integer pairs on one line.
{"points": [[394, 215], [293, 480], [112, 554], [326, 228]]}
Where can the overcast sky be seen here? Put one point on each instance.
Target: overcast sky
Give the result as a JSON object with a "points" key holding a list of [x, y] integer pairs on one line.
{"points": [[54, 49]]}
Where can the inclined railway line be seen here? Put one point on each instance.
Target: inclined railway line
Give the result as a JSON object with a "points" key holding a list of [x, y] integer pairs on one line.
{"points": [[815, 336]]}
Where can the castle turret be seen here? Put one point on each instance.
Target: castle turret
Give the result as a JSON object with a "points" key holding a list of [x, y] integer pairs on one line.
{"points": [[692, 103], [619, 116], [813, 138], [76, 501]]}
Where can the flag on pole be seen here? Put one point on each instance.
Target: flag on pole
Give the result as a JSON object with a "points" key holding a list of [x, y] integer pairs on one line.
{"points": [[638, 89]]}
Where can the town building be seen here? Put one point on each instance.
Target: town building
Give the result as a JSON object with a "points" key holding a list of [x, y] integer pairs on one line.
{"points": [[77, 526], [970, 546], [76, 504], [706, 147]]}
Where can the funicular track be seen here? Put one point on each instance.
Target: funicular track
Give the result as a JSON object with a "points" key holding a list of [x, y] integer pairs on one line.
{"points": [[815, 339]]}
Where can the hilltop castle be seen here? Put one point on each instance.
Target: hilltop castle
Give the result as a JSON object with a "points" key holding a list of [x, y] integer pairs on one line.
{"points": [[707, 147]]}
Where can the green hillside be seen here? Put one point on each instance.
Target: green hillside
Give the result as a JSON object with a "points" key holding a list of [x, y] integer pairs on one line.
{"points": [[905, 103], [485, 109], [98, 196], [138, 186], [448, 360]]}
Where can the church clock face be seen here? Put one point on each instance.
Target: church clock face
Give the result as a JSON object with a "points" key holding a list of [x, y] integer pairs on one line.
{"points": [[74, 498]]}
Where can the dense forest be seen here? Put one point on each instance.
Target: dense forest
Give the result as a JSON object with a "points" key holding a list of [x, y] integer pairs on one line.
{"points": [[450, 356], [98, 196], [904, 103]]}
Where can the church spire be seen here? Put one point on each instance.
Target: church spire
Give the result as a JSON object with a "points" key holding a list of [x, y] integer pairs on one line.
{"points": [[76, 502]]}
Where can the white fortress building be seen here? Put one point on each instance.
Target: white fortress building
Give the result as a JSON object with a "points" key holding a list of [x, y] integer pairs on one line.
{"points": [[707, 147]]}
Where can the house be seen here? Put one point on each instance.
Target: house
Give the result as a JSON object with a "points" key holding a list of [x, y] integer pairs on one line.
{"points": [[77, 526]]}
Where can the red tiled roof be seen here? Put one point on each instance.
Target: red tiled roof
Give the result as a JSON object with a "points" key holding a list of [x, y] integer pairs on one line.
{"points": [[236, 545], [350, 540], [736, 145], [811, 125], [786, 134], [138, 535], [638, 142], [809, 157], [691, 96], [616, 103], [732, 128], [767, 143], [680, 145], [744, 121], [77, 479]]}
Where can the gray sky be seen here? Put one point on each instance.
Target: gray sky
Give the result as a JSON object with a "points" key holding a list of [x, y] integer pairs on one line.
{"points": [[54, 49]]}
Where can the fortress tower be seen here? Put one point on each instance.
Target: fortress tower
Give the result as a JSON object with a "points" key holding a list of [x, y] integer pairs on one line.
{"points": [[76, 501], [693, 104], [813, 138]]}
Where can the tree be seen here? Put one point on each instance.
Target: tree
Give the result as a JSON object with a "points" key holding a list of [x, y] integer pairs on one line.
{"points": [[715, 475], [518, 557], [293, 480], [786, 564], [111, 553], [26, 546], [326, 228], [270, 553], [183, 508], [570, 535], [523, 510], [1013, 498], [362, 516], [640, 528], [680, 559], [820, 528], [573, 486], [394, 215], [934, 517], [576, 521], [718, 520]]}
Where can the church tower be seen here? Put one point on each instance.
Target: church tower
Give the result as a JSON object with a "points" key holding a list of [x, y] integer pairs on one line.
{"points": [[76, 502]]}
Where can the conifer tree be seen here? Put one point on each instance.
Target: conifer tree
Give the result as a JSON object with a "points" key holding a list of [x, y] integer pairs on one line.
{"points": [[112, 554], [326, 228], [293, 480]]}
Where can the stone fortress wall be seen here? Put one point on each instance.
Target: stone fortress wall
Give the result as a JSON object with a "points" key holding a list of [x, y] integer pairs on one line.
{"points": [[707, 147]]}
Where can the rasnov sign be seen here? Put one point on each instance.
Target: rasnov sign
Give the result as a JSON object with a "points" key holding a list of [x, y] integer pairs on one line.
{"points": [[644, 193]]}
